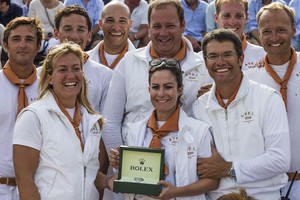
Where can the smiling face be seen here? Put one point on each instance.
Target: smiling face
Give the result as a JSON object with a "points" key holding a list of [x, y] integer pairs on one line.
{"points": [[226, 68], [164, 93], [276, 32], [115, 23], [22, 45], [232, 16], [74, 28], [66, 78], [165, 30]]}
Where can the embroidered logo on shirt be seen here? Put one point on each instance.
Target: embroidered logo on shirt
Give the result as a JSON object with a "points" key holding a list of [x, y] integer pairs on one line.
{"points": [[247, 116], [95, 131], [250, 65], [192, 75], [191, 152], [33, 99], [173, 140], [298, 76], [89, 82]]}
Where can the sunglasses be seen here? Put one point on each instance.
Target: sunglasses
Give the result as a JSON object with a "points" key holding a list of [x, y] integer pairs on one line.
{"points": [[164, 62]]}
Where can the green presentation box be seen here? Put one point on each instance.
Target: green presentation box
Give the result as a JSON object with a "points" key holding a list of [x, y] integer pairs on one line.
{"points": [[140, 169]]}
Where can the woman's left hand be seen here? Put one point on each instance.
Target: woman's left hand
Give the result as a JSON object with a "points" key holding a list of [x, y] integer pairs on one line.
{"points": [[169, 190]]}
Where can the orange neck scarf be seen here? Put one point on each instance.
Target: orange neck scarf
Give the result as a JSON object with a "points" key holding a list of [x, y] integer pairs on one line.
{"points": [[287, 75], [244, 42], [171, 125], [116, 61], [75, 121], [179, 56], [12, 77], [231, 98], [85, 57]]}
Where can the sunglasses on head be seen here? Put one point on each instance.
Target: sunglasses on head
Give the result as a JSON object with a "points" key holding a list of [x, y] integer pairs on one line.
{"points": [[164, 62]]}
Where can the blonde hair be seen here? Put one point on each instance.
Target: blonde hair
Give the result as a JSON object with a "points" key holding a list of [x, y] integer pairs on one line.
{"points": [[242, 195], [47, 69]]}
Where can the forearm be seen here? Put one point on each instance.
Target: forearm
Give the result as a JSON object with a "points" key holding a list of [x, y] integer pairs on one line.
{"points": [[254, 34], [142, 32], [261, 167], [200, 187], [103, 158], [95, 30], [26, 161], [28, 190]]}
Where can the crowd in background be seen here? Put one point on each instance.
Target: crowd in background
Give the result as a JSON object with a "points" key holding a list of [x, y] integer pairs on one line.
{"points": [[100, 74]]}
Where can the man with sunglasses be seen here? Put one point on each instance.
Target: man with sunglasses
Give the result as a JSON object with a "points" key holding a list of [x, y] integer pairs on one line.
{"points": [[276, 28], [249, 122], [128, 96]]}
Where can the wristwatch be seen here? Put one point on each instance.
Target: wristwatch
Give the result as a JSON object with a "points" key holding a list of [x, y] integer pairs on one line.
{"points": [[231, 172]]}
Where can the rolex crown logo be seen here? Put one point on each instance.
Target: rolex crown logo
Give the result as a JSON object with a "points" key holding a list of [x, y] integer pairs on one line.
{"points": [[142, 161]]}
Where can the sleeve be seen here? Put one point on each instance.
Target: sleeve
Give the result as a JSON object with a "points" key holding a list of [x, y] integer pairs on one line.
{"points": [[296, 4], [106, 81], [27, 131], [210, 17], [144, 19], [204, 148], [31, 10], [19, 12], [114, 108], [277, 156], [69, 2], [97, 14], [252, 23]]}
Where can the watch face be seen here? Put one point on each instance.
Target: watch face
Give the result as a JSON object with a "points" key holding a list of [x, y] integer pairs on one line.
{"points": [[231, 172]]}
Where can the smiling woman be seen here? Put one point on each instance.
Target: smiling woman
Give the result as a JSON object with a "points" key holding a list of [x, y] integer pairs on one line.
{"points": [[168, 127], [64, 133]]}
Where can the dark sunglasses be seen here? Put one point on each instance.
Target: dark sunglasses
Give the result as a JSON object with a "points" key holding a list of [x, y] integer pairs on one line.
{"points": [[164, 62]]}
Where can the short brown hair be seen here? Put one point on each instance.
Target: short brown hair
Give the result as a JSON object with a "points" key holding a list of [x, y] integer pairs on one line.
{"points": [[219, 3], [159, 4], [19, 21], [69, 10]]}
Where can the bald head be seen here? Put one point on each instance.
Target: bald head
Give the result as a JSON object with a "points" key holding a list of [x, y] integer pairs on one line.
{"points": [[115, 22], [114, 6]]}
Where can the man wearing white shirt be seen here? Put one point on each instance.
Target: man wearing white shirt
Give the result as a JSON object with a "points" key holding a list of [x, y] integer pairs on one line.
{"points": [[276, 28], [249, 122], [128, 96], [115, 22]]}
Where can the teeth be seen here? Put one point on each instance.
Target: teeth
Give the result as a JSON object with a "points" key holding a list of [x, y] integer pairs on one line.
{"points": [[164, 40], [222, 70], [116, 34], [162, 101], [70, 84], [232, 29], [275, 45]]}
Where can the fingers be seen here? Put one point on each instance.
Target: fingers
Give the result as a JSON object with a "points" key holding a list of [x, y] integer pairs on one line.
{"points": [[163, 183], [114, 158], [203, 90], [214, 150], [110, 182]]}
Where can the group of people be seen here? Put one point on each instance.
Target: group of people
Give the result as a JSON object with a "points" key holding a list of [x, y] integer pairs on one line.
{"points": [[55, 145]]}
